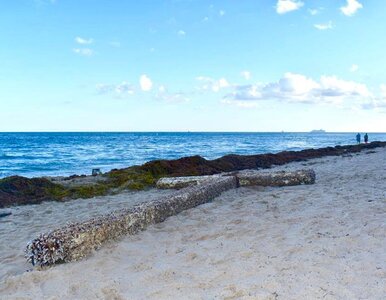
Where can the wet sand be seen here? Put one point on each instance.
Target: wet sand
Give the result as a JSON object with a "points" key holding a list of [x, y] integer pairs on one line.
{"points": [[321, 241]]}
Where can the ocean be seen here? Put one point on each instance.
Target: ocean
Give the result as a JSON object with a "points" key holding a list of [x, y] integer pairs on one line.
{"points": [[38, 154]]}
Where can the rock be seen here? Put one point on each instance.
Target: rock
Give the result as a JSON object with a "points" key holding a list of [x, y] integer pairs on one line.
{"points": [[75, 241], [281, 178], [96, 172]]}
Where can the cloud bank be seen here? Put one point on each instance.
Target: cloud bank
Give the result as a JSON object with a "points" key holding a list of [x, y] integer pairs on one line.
{"points": [[299, 88]]}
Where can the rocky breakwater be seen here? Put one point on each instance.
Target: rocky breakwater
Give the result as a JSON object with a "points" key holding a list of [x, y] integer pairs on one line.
{"points": [[19, 190], [78, 240]]}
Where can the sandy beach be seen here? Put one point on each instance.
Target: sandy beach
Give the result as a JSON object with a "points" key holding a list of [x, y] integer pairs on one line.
{"points": [[321, 241]]}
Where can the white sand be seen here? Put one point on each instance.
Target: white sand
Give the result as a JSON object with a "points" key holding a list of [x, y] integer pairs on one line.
{"points": [[322, 241], [27, 222]]}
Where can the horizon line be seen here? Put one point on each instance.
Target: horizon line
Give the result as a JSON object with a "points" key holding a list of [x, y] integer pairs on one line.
{"points": [[185, 131]]}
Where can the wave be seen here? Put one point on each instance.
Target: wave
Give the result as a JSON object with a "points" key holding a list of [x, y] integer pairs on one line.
{"points": [[15, 156]]}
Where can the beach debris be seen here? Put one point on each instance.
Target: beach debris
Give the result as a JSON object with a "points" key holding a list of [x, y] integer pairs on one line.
{"points": [[280, 178], [5, 214], [78, 240], [245, 178], [185, 181], [96, 172]]}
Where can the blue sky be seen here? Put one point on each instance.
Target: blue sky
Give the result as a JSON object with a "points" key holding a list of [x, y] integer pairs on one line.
{"points": [[179, 65]]}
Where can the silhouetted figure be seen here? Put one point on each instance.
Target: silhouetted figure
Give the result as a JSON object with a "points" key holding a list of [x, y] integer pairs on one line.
{"points": [[366, 138], [358, 138]]}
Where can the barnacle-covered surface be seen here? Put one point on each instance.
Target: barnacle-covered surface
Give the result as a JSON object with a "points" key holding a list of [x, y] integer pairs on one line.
{"points": [[185, 181], [78, 240], [245, 178], [28, 222], [281, 178]]}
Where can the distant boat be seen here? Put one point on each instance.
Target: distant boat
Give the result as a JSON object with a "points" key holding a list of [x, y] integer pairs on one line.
{"points": [[318, 131]]}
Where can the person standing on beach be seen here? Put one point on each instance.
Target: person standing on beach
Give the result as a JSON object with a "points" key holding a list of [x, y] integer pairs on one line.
{"points": [[366, 138], [358, 138]]}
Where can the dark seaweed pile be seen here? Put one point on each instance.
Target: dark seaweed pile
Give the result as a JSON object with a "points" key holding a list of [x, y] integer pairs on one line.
{"points": [[16, 190]]}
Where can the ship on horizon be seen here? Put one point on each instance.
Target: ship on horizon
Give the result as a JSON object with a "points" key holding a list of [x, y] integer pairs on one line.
{"points": [[318, 131]]}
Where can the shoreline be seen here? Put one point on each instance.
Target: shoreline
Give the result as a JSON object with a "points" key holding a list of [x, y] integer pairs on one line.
{"points": [[17, 190], [325, 240]]}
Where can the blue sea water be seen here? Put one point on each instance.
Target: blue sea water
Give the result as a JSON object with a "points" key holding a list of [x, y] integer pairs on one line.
{"points": [[37, 154]]}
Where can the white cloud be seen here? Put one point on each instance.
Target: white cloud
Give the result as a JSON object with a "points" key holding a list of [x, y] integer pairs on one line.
{"points": [[285, 6], [377, 103], [299, 88], [383, 91], [124, 88], [145, 83], [221, 13], [354, 68], [314, 11], [324, 26], [83, 41], [222, 83], [210, 84], [246, 74], [118, 90], [181, 33], [162, 89], [351, 7], [104, 88], [165, 96], [83, 51]]}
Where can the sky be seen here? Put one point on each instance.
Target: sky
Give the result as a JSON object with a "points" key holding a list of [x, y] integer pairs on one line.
{"points": [[192, 65]]}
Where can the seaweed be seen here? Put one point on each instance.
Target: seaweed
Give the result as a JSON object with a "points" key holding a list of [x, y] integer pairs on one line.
{"points": [[16, 190]]}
